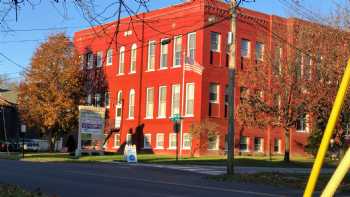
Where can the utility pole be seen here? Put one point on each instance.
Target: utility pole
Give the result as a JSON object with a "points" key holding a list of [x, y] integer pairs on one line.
{"points": [[231, 89]]}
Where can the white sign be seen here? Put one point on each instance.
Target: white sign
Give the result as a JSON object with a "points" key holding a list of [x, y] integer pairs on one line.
{"points": [[92, 120], [130, 153], [23, 128]]}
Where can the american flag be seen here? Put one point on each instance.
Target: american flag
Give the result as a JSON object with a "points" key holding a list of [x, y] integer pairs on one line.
{"points": [[192, 65]]}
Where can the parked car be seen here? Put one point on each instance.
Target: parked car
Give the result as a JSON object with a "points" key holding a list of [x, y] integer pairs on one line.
{"points": [[10, 146], [30, 145]]}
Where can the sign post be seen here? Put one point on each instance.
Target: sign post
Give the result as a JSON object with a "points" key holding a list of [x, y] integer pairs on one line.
{"points": [[177, 126], [23, 131]]}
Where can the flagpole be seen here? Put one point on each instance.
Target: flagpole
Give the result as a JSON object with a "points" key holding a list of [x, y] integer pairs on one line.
{"points": [[182, 101]]}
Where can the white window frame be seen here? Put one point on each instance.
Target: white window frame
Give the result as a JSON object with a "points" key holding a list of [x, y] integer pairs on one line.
{"points": [[247, 142], [184, 147], [188, 45], [216, 145], [151, 60], [306, 130], [128, 139], [171, 136], [160, 102], [262, 51], [172, 98], [109, 57], [149, 106], [218, 42], [161, 54], [115, 145], [131, 104], [157, 141], [121, 67], [175, 65], [248, 49], [90, 60], [279, 142], [107, 104], [261, 147], [188, 94], [217, 93], [147, 137], [133, 58], [89, 99], [98, 100], [99, 59]]}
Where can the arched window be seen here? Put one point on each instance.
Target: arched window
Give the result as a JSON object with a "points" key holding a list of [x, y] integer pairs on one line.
{"points": [[119, 98], [131, 103], [133, 58], [121, 60]]}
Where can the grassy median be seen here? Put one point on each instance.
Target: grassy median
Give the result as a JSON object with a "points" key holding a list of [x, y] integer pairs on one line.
{"points": [[289, 180], [15, 191], [260, 161]]}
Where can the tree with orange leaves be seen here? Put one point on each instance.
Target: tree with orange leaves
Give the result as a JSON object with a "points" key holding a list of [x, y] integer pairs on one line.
{"points": [[51, 91], [296, 82]]}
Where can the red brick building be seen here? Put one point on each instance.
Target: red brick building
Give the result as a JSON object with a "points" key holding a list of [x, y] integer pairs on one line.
{"points": [[174, 61]]}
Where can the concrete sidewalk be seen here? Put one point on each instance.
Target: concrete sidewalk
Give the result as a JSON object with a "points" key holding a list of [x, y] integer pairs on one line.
{"points": [[219, 170]]}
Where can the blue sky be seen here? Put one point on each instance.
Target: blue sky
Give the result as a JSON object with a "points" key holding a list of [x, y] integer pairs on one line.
{"points": [[40, 21]]}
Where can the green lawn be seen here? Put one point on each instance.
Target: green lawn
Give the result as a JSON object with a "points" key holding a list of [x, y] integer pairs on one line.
{"points": [[289, 180], [167, 159], [15, 191]]}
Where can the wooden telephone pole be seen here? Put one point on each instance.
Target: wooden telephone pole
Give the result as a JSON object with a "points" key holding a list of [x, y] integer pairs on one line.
{"points": [[231, 89]]}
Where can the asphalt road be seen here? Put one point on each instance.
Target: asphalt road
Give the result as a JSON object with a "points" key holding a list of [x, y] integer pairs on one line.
{"points": [[99, 180]]}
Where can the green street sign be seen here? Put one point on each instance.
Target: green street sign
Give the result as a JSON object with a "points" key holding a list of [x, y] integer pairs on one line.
{"points": [[176, 118]]}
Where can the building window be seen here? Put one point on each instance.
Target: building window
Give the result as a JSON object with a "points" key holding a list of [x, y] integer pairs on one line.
{"points": [[277, 61], [243, 145], [90, 60], [307, 67], [133, 58], [109, 57], [172, 141], [245, 48], [151, 55], [160, 140], [131, 104], [177, 51], [118, 110], [162, 102], [186, 141], [128, 139], [107, 103], [259, 51], [301, 123], [99, 57], [214, 93], [98, 100], [121, 60], [147, 141], [215, 41], [117, 140], [213, 142], [191, 47], [164, 53], [175, 99], [189, 99], [88, 99], [298, 70], [277, 145], [149, 102], [258, 144]]}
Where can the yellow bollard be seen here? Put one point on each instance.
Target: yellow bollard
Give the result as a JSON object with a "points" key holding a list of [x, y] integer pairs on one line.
{"points": [[339, 100], [338, 176]]}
